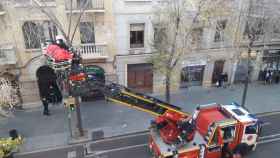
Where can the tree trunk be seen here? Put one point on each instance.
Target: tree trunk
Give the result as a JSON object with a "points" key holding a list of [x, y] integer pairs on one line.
{"points": [[167, 87], [79, 118], [246, 84], [244, 97]]}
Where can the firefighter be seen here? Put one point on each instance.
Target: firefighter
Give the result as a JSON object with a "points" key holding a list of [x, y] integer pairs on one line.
{"points": [[61, 42]]}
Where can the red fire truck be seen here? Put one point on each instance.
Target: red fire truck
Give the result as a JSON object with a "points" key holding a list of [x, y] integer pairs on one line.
{"points": [[213, 131], [220, 131]]}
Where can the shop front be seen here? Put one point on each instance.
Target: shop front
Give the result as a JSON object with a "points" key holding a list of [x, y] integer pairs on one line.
{"points": [[192, 73], [270, 64]]}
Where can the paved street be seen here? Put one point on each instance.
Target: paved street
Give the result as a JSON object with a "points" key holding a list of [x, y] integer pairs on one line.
{"points": [[135, 145], [115, 119]]}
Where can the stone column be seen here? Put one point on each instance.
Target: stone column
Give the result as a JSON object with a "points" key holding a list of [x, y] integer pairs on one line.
{"points": [[257, 66], [207, 76]]}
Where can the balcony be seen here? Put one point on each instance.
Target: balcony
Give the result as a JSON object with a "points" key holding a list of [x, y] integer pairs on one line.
{"points": [[93, 51], [91, 7], [7, 55], [28, 3]]}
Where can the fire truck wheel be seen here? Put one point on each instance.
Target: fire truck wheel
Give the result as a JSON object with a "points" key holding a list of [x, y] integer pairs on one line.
{"points": [[241, 150], [237, 155]]}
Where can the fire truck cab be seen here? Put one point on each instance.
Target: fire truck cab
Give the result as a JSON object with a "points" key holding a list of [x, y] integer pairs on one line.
{"points": [[220, 132]]}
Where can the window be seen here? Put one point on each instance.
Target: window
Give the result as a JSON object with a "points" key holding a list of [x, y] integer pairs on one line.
{"points": [[276, 29], [228, 133], [49, 30], [220, 28], [197, 35], [137, 35], [238, 112], [254, 28], [32, 33], [251, 129], [2, 54], [159, 34], [84, 4], [35, 33], [87, 32]]}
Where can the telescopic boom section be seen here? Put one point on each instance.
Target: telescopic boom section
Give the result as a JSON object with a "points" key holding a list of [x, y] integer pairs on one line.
{"points": [[113, 91], [125, 96]]}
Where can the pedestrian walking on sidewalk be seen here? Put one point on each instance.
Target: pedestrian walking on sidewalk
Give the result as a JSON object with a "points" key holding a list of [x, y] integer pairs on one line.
{"points": [[277, 77], [225, 80], [271, 77], [219, 82], [52, 96], [267, 77]]}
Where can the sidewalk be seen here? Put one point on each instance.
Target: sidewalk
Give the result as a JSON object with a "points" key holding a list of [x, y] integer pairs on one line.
{"points": [[44, 132], [260, 98]]}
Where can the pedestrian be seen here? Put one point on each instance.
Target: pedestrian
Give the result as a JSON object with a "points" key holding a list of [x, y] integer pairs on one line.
{"points": [[220, 80], [46, 106], [52, 97], [277, 77], [267, 74], [271, 76], [225, 80]]}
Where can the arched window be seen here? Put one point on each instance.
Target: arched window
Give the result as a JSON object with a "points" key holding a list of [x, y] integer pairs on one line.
{"points": [[38, 32], [32, 35]]}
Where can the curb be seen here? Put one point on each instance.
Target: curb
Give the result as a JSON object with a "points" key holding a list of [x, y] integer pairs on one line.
{"points": [[31, 105], [80, 143], [271, 113]]}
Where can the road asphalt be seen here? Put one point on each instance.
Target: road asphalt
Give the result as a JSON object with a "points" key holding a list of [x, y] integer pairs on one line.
{"points": [[43, 132], [135, 145]]}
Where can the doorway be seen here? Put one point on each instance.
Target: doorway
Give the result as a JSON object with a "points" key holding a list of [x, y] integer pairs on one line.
{"points": [[218, 70], [140, 77]]}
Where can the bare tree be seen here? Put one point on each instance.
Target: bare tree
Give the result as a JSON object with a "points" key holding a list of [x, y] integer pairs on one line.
{"points": [[248, 23], [68, 34], [173, 30], [261, 16]]}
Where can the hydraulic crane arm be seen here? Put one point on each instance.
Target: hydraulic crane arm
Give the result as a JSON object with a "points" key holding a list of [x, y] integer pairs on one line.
{"points": [[112, 91], [125, 96]]}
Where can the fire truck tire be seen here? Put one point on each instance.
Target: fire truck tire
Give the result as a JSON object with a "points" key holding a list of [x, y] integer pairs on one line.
{"points": [[242, 149]]}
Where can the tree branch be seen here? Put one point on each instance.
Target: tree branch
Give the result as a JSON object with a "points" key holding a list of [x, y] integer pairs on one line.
{"points": [[70, 20], [53, 18], [201, 4], [82, 10]]}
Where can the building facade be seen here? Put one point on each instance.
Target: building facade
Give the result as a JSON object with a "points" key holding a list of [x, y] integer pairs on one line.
{"points": [[117, 35], [24, 27], [134, 32], [210, 57], [216, 48]]}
